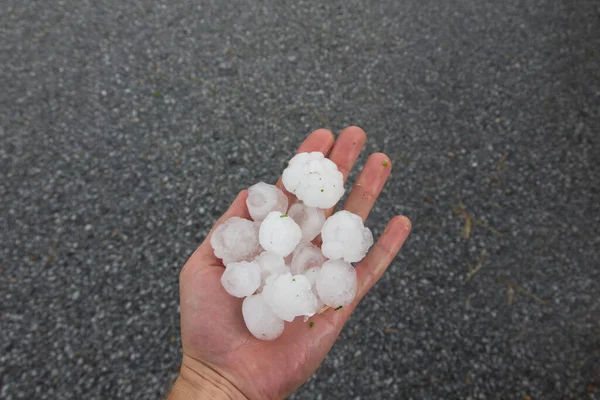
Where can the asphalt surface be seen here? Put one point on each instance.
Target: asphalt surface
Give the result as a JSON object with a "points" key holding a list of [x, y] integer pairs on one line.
{"points": [[126, 128]]}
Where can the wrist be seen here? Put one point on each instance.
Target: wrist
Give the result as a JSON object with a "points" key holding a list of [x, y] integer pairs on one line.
{"points": [[199, 381]]}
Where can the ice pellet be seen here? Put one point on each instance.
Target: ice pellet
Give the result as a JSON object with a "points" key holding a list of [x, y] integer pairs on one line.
{"points": [[264, 198], [306, 255], [290, 296], [336, 283], [260, 320], [345, 237], [310, 219], [235, 240], [270, 264], [312, 274], [241, 279], [279, 234], [314, 179]]}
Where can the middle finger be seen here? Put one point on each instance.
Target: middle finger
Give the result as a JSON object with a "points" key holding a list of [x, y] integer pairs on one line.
{"points": [[368, 185], [345, 151]]}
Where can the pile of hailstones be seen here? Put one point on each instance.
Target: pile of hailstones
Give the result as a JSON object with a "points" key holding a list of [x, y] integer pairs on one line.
{"points": [[272, 262]]}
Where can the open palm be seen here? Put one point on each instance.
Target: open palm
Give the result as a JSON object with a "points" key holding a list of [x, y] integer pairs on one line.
{"points": [[216, 342]]}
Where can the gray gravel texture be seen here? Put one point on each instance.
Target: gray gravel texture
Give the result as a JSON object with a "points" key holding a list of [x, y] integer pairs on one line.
{"points": [[127, 127]]}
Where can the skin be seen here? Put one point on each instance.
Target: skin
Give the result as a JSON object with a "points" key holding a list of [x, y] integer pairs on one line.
{"points": [[222, 360]]}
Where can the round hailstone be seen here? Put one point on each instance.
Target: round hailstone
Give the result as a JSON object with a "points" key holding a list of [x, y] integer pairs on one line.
{"points": [[345, 237], [270, 264], [314, 179], [241, 279], [312, 274], [290, 296], [260, 320], [336, 283], [310, 220], [279, 234], [264, 198], [306, 255], [235, 240]]}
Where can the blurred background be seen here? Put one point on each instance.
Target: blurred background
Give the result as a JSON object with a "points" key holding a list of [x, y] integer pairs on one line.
{"points": [[126, 128]]}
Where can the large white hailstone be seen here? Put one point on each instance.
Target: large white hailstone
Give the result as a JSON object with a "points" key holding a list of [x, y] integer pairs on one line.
{"points": [[270, 264], [290, 296], [310, 219], [235, 240], [337, 283], [345, 237], [312, 274], [306, 255], [241, 279], [279, 234], [314, 179], [264, 198], [260, 320]]}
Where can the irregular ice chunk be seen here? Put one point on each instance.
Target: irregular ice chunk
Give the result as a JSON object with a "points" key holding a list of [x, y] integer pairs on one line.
{"points": [[270, 264], [290, 296], [235, 240], [264, 198], [279, 234], [336, 283], [312, 274], [306, 255], [260, 320], [345, 237], [241, 279], [314, 179], [310, 220]]}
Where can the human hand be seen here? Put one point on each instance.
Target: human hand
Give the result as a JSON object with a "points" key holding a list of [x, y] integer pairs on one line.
{"points": [[221, 359]]}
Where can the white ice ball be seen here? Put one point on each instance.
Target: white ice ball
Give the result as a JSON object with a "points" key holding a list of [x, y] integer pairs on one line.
{"points": [[241, 279], [290, 296], [312, 274], [270, 264], [345, 237], [264, 198], [337, 283], [260, 320], [310, 219], [314, 179], [279, 234], [306, 255], [235, 240]]}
